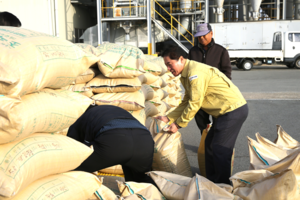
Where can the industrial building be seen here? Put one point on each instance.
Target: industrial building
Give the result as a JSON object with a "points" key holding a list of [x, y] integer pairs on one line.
{"points": [[132, 21]]}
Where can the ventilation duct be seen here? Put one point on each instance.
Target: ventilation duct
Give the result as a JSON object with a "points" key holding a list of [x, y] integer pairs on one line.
{"points": [[255, 5], [219, 10]]}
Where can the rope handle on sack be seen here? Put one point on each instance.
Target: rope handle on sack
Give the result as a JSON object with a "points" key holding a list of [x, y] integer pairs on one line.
{"points": [[123, 191], [166, 127], [125, 188]]}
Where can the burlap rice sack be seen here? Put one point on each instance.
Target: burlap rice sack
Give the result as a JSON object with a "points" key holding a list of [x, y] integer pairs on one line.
{"points": [[88, 75], [202, 188], [274, 160], [140, 115], [102, 84], [44, 111], [148, 92], [148, 78], [104, 193], [36, 156], [31, 61], [169, 152], [163, 108], [150, 109], [152, 68], [89, 48], [144, 190], [128, 101], [80, 88], [261, 184], [159, 61], [158, 84], [285, 140], [117, 169], [70, 185], [122, 61], [172, 186], [106, 46]]}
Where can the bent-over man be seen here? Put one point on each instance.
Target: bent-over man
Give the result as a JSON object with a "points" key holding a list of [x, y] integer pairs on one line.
{"points": [[208, 88]]}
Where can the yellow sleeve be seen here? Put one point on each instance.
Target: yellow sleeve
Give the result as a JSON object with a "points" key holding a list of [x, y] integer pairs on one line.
{"points": [[175, 114], [198, 84]]}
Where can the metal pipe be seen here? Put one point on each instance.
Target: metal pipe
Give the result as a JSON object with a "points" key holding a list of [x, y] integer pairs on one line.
{"points": [[144, 14], [255, 7], [123, 19], [289, 10], [178, 28], [50, 17], [229, 12], [212, 12], [56, 19], [278, 9], [206, 11], [248, 4], [99, 19], [297, 9], [184, 20], [284, 9], [220, 10], [149, 31], [243, 11], [249, 9], [153, 48], [185, 5]]}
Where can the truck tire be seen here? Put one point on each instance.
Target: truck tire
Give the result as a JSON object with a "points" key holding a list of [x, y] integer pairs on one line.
{"points": [[247, 65], [290, 65], [239, 66], [297, 63]]}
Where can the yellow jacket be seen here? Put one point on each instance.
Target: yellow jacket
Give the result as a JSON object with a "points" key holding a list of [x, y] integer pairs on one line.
{"points": [[207, 88]]}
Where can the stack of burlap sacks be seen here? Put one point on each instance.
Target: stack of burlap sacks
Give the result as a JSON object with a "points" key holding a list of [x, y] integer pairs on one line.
{"points": [[274, 169], [35, 164], [46, 84], [274, 174], [144, 88]]}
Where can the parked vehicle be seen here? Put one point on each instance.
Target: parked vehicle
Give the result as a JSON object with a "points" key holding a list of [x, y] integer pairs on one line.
{"points": [[255, 43]]}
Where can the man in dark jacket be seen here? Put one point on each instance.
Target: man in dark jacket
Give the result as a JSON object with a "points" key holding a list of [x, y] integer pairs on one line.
{"points": [[210, 53], [117, 138]]}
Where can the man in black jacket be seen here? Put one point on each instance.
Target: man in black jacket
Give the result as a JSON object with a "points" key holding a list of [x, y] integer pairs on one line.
{"points": [[117, 138], [210, 53]]}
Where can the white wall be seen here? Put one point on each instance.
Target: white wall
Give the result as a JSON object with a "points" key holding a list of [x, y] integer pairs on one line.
{"points": [[33, 14], [39, 15]]}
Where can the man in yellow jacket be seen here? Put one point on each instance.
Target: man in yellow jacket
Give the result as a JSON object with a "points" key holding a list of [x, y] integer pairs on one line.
{"points": [[208, 88]]}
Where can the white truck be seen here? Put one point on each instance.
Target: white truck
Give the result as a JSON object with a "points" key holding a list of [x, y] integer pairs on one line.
{"points": [[262, 42]]}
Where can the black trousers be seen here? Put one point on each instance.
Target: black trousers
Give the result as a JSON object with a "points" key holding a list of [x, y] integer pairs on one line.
{"points": [[219, 144], [202, 119], [131, 148]]}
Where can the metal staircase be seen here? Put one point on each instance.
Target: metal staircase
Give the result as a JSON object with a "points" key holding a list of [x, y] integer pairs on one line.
{"points": [[170, 35], [167, 17]]}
